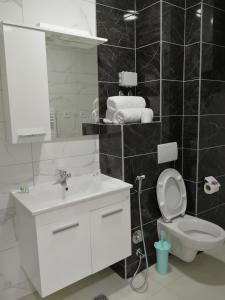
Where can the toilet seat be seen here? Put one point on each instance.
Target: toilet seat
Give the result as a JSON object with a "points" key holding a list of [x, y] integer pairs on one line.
{"points": [[171, 194]]}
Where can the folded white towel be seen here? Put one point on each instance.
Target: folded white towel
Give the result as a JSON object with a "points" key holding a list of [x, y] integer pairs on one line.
{"points": [[121, 102], [147, 115], [109, 114], [107, 121], [127, 115]]}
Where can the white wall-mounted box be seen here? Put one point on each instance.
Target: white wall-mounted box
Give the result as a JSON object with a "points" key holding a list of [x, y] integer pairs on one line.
{"points": [[25, 84], [167, 152], [128, 79]]}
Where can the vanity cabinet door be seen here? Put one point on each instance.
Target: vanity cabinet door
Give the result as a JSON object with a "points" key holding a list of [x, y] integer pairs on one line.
{"points": [[64, 253], [110, 235]]}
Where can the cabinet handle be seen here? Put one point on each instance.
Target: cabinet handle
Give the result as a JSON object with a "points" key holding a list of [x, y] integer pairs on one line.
{"points": [[31, 134], [64, 228], [112, 213], [23, 132]]}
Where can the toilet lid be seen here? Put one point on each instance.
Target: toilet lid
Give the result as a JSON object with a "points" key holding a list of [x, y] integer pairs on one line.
{"points": [[171, 194]]}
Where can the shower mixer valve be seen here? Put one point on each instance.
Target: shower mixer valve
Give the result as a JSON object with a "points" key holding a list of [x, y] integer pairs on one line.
{"points": [[140, 177]]}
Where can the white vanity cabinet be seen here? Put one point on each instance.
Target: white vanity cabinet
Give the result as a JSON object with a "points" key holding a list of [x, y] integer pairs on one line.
{"points": [[64, 244], [25, 84]]}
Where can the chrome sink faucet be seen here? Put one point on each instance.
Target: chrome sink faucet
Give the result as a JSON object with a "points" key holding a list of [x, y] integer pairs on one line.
{"points": [[62, 178]]}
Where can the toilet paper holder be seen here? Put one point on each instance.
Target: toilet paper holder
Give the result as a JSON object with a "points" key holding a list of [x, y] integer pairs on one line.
{"points": [[211, 185]]}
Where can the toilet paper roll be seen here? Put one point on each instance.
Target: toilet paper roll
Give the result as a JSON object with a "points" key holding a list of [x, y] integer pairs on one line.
{"points": [[210, 188]]}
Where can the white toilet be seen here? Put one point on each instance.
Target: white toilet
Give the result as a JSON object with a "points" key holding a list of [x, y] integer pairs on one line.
{"points": [[187, 234]]}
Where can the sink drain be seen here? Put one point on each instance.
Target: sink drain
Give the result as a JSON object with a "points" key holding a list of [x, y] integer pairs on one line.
{"points": [[101, 297]]}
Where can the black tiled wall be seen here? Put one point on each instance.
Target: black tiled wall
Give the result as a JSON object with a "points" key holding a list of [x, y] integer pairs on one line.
{"points": [[158, 57], [204, 109], [148, 52], [188, 96], [119, 52]]}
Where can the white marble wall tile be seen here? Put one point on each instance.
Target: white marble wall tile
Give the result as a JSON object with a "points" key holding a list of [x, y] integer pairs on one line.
{"points": [[67, 60], [1, 106], [54, 150], [11, 10], [60, 78], [11, 178], [2, 131], [11, 272], [75, 89], [73, 86], [78, 14], [89, 61], [7, 229], [79, 165], [60, 59], [45, 171], [13, 154], [72, 73], [17, 291]]}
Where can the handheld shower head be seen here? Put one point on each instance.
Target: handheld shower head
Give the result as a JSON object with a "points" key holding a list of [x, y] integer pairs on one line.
{"points": [[140, 178], [143, 287]]}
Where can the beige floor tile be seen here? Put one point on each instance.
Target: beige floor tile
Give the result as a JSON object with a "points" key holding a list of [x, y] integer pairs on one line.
{"points": [[187, 288], [203, 279], [165, 294], [167, 279]]}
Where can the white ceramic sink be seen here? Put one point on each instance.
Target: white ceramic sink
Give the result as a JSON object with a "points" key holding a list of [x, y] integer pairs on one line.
{"points": [[48, 196]]}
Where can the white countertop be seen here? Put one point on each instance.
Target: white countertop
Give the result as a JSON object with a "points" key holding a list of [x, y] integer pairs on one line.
{"points": [[45, 197]]}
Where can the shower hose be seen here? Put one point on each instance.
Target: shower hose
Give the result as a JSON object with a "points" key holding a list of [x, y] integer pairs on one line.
{"points": [[144, 285]]}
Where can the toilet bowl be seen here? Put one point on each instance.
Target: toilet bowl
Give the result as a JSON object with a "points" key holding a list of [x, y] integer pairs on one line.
{"points": [[186, 234]]}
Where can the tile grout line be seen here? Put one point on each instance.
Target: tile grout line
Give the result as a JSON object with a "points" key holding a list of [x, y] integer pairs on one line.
{"points": [[208, 210], [165, 79], [145, 224], [148, 45], [184, 69], [199, 110], [196, 43], [135, 68], [154, 43], [174, 5], [193, 5], [161, 69], [116, 46], [157, 2], [123, 178], [32, 162], [141, 10], [106, 154], [202, 181], [215, 7], [111, 7], [203, 149], [212, 44]]}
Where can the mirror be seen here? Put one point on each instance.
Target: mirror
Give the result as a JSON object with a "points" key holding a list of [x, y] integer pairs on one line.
{"points": [[73, 89]]}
